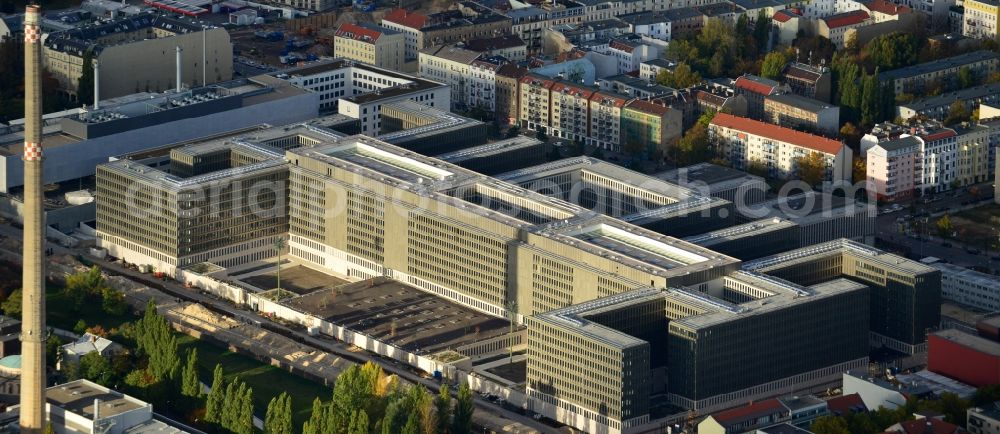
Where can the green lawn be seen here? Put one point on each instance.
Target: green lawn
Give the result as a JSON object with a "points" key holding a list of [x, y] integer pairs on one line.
{"points": [[61, 313], [266, 381]]}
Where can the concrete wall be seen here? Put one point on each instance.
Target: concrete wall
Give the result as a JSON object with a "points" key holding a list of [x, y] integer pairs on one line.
{"points": [[63, 219]]}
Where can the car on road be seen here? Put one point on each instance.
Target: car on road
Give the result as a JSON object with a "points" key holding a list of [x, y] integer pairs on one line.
{"points": [[945, 244], [972, 250]]}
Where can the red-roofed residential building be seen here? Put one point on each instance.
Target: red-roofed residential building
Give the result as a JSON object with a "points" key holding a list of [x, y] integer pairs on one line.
{"points": [[469, 21], [409, 24], [745, 142], [882, 10], [570, 107], [605, 119], [371, 44], [846, 404], [755, 89], [535, 91], [745, 419], [924, 425], [650, 127], [835, 27]]}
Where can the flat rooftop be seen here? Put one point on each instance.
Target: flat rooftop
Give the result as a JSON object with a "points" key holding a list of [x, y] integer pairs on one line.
{"points": [[837, 247], [754, 228], [583, 166], [298, 279], [811, 206], [78, 398], [401, 315], [957, 272], [631, 245], [489, 149], [977, 343]]}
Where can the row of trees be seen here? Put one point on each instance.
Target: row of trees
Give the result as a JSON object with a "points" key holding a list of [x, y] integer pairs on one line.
{"points": [[365, 400]]}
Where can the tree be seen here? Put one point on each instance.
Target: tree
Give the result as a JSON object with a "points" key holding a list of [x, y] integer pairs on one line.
{"points": [[829, 425], [113, 301], [442, 404], [773, 64], [85, 85], [893, 50], [694, 146], [216, 396], [243, 423], [190, 384], [464, 406], [811, 168], [412, 423], [957, 113], [278, 419], [871, 104], [156, 339], [12, 305], [859, 172], [762, 30], [96, 368], [359, 423], [944, 226], [965, 78], [317, 419], [85, 284], [681, 77], [850, 134]]}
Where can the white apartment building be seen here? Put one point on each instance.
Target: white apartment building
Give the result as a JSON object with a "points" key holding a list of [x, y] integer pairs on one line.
{"points": [[745, 142], [482, 86], [452, 65]]}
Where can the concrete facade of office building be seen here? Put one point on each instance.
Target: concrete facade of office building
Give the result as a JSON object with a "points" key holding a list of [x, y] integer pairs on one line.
{"points": [[969, 287], [217, 202], [752, 240], [154, 40], [371, 44], [905, 295], [745, 142], [388, 225]]}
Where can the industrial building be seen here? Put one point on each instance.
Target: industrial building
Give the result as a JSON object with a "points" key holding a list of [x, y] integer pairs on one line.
{"points": [[76, 143], [604, 365], [205, 55], [905, 295], [971, 359], [624, 194]]}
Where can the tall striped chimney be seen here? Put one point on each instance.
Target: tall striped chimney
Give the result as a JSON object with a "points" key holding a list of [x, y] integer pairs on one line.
{"points": [[33, 292]]}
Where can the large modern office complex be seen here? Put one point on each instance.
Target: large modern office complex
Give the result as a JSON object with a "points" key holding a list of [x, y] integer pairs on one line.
{"points": [[221, 201], [614, 363], [905, 295]]}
